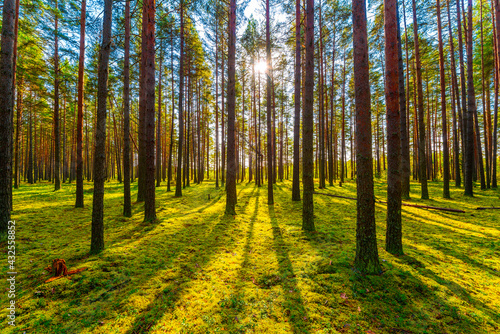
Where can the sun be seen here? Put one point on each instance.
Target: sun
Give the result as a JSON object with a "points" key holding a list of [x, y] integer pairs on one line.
{"points": [[261, 67]]}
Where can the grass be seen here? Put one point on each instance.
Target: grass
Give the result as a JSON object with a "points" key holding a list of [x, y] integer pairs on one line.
{"points": [[198, 271]]}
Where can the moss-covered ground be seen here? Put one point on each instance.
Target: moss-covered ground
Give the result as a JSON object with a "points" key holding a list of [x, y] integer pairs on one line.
{"points": [[198, 271]]}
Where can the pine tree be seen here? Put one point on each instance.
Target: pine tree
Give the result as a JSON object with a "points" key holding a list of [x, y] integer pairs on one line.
{"points": [[231, 113], [97, 239], [308, 125], [366, 260]]}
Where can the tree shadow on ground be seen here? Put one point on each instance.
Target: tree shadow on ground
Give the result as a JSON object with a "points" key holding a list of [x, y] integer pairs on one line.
{"points": [[179, 255], [230, 311], [297, 313], [454, 287], [474, 241], [166, 299]]}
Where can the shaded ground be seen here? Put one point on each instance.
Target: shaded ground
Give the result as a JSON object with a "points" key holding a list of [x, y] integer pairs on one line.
{"points": [[197, 271]]}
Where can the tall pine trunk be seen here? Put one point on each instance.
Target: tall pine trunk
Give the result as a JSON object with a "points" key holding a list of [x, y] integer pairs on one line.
{"points": [[456, 94], [79, 123], [308, 125], [231, 113], [57, 142], [296, 122], [366, 260], [442, 79], [422, 159], [178, 185], [6, 110], [171, 144], [497, 76], [127, 205], [403, 112], [97, 239], [158, 127], [469, 115], [270, 160], [394, 243]]}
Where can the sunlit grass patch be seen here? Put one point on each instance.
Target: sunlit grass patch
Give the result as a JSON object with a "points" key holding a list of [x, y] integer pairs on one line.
{"points": [[196, 270]]}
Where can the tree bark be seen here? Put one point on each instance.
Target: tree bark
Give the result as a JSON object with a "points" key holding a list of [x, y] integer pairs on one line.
{"points": [[456, 94], [270, 160], [19, 107], [127, 205], [403, 111], [217, 107], [178, 185], [158, 127], [231, 113], [6, 110], [97, 239], [366, 260], [468, 119], [148, 52], [422, 159], [497, 78], [446, 153], [394, 242], [79, 124], [171, 145], [296, 122], [343, 153], [308, 125], [57, 142]]}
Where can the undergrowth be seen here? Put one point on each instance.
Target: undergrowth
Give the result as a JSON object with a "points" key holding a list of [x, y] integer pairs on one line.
{"points": [[196, 270]]}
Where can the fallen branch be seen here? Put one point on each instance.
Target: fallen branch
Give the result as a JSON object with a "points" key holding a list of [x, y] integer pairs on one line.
{"points": [[59, 270], [488, 208], [76, 271], [433, 208], [403, 204]]}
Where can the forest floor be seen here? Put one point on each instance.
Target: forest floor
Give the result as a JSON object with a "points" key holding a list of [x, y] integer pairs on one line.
{"points": [[198, 271]]}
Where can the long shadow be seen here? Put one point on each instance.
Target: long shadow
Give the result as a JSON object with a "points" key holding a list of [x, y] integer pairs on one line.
{"points": [[145, 227], [453, 228], [462, 257], [231, 310], [242, 208], [396, 302], [473, 240], [165, 300], [113, 267], [462, 293], [297, 314]]}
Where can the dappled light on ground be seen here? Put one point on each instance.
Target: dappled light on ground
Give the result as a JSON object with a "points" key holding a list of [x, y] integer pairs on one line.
{"points": [[196, 270]]}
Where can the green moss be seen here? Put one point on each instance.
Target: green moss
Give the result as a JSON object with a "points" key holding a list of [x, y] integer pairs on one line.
{"points": [[196, 270]]}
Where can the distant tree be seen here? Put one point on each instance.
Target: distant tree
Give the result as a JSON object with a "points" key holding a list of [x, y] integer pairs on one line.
{"points": [[158, 122], [178, 185], [422, 158], [57, 142], [171, 145], [405, 144], [456, 95], [446, 154]]}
